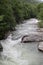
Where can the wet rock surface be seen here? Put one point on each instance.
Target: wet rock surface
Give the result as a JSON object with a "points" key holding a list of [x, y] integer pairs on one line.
{"points": [[40, 46], [35, 36], [32, 38]]}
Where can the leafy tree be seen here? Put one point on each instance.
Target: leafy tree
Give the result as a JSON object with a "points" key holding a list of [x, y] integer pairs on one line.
{"points": [[39, 7], [40, 14], [8, 21], [18, 11], [14, 11]]}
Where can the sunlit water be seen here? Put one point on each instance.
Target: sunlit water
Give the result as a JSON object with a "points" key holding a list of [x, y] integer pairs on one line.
{"points": [[17, 53]]}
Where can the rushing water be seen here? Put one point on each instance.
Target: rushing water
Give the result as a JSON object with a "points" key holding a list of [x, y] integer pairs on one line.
{"points": [[17, 53]]}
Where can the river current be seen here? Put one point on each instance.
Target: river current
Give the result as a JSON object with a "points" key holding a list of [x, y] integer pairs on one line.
{"points": [[17, 53]]}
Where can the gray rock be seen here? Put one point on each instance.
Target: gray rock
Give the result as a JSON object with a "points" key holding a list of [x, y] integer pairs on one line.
{"points": [[1, 48], [31, 38], [40, 29], [40, 46]]}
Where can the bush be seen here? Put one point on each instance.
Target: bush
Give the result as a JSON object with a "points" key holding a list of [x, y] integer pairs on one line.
{"points": [[18, 11], [40, 24], [33, 11], [40, 15], [39, 7]]}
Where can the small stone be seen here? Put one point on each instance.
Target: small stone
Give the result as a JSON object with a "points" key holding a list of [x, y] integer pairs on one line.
{"points": [[40, 46]]}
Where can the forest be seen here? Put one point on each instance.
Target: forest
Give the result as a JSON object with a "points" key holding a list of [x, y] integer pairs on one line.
{"points": [[13, 12]]}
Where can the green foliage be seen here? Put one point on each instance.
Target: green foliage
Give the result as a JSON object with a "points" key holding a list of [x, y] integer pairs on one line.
{"points": [[18, 11], [14, 11], [40, 11], [8, 22], [39, 7], [40, 14], [33, 11], [27, 9], [23, 10], [1, 17], [40, 24]]}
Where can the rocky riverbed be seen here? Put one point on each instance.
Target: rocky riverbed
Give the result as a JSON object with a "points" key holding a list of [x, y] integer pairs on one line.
{"points": [[17, 53]]}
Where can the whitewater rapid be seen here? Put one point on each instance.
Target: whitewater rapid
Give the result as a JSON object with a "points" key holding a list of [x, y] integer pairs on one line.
{"points": [[17, 53]]}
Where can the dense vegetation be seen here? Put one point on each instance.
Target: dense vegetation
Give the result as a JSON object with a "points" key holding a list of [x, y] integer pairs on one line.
{"points": [[13, 12], [40, 14]]}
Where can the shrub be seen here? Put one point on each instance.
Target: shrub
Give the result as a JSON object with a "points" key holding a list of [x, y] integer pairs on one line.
{"points": [[40, 14], [7, 22], [40, 24]]}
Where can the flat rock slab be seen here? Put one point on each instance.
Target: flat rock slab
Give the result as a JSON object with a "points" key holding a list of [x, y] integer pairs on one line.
{"points": [[40, 46], [32, 38]]}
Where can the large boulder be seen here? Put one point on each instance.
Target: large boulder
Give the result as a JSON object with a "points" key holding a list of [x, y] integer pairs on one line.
{"points": [[31, 38], [40, 46], [1, 48]]}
